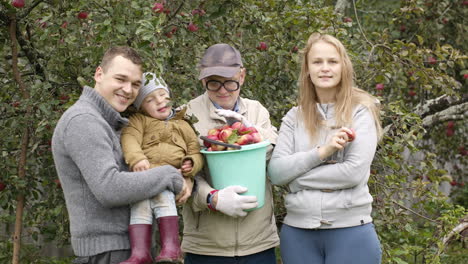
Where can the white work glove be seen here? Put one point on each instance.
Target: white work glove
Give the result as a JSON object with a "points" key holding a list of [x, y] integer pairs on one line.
{"points": [[232, 117], [233, 204]]}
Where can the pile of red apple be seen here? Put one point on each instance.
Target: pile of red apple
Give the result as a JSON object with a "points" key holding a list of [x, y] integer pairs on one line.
{"points": [[236, 134]]}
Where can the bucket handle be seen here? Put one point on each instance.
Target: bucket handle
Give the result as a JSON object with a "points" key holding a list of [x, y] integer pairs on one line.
{"points": [[212, 141]]}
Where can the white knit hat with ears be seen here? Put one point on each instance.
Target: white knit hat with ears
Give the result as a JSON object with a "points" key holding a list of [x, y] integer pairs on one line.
{"points": [[149, 83]]}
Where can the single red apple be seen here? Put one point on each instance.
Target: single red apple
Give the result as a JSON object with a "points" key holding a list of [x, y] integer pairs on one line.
{"points": [[225, 134], [262, 46], [412, 93], [2, 186], [215, 147], [229, 148], [192, 27], [158, 7], [465, 76], [352, 135], [83, 15], [347, 19], [64, 25], [199, 12], [449, 132], [431, 60], [208, 144], [450, 124], [244, 140], [18, 3], [64, 98], [57, 183], [237, 125], [213, 132], [379, 86], [463, 151]]}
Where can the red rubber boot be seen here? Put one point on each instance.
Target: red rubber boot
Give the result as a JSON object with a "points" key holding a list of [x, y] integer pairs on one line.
{"points": [[170, 244], [140, 242]]}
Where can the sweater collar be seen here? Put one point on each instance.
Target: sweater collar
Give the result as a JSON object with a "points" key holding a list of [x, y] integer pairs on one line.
{"points": [[326, 110], [108, 112]]}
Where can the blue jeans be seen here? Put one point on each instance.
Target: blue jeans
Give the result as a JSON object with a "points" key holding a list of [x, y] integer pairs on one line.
{"points": [[265, 257], [351, 245]]}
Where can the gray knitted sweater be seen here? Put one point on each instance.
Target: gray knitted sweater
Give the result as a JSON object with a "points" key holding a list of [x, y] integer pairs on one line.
{"points": [[97, 187]]}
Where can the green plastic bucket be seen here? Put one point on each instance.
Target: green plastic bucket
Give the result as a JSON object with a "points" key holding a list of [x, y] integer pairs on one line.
{"points": [[245, 167]]}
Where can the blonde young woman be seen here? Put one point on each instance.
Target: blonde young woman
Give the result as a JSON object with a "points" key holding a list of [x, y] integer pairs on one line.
{"points": [[324, 152]]}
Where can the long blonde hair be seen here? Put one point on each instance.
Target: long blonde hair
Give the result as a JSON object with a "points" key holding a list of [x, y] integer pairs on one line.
{"points": [[347, 96]]}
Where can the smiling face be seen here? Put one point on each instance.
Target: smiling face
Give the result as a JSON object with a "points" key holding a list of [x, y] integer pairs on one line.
{"points": [[119, 83], [156, 105], [325, 66], [223, 97]]}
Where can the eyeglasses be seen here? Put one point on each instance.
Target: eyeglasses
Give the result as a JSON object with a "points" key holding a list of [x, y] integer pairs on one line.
{"points": [[229, 85]]}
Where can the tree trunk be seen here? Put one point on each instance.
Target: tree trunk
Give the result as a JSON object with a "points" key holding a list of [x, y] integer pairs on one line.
{"points": [[24, 142]]}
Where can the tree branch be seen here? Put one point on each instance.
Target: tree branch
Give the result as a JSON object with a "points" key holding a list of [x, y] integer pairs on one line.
{"points": [[177, 11], [359, 24], [458, 229], [455, 112], [438, 104], [30, 53], [414, 212]]}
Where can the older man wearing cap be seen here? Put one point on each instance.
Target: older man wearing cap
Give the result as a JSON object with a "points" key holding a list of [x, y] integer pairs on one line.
{"points": [[217, 229]]}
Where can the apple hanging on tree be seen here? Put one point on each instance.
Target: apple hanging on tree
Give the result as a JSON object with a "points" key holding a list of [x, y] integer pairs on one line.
{"points": [[18, 3]]}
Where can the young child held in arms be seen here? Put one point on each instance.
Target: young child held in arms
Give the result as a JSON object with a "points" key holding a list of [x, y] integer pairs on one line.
{"points": [[156, 136]]}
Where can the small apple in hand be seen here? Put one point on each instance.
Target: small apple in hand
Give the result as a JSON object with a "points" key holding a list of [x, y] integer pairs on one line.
{"points": [[352, 135]]}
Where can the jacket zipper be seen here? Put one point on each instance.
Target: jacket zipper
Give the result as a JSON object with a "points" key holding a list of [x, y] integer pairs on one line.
{"points": [[198, 220], [236, 248]]}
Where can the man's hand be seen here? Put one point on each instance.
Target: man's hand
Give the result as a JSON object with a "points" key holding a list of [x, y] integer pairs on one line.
{"points": [[229, 202], [142, 165], [232, 117], [183, 196]]}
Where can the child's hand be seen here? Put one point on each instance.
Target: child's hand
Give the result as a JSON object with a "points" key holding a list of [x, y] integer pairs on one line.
{"points": [[142, 165], [186, 192], [187, 166]]}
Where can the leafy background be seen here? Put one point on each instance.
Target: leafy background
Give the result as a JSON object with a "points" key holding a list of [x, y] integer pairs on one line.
{"points": [[409, 53]]}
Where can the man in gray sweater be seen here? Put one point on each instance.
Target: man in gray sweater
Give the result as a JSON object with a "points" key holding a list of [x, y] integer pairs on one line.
{"points": [[89, 162]]}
